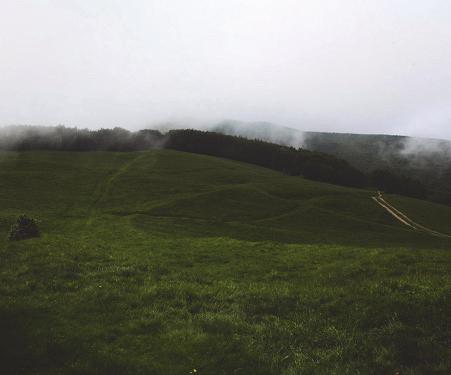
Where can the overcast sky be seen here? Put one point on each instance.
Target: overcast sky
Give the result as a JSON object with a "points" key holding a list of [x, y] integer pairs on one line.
{"points": [[370, 66]]}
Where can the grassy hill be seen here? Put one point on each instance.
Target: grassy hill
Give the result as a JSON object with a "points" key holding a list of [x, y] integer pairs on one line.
{"points": [[162, 262]]}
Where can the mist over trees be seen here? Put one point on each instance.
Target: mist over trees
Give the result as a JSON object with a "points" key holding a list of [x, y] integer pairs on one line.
{"points": [[416, 167], [312, 165], [22, 138]]}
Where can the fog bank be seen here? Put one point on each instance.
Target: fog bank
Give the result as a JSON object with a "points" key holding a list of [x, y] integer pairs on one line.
{"points": [[331, 65]]}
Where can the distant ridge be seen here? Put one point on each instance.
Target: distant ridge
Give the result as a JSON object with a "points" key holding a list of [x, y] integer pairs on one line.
{"points": [[425, 159]]}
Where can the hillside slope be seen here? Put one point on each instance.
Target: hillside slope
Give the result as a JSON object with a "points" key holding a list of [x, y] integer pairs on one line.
{"points": [[166, 186], [427, 160], [165, 262]]}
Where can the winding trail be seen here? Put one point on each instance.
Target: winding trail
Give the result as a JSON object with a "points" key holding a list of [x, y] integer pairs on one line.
{"points": [[403, 218]]}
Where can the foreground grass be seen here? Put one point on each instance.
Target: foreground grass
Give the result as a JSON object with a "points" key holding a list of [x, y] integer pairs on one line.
{"points": [[161, 263]]}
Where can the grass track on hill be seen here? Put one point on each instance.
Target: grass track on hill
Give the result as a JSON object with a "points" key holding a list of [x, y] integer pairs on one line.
{"points": [[161, 262]]}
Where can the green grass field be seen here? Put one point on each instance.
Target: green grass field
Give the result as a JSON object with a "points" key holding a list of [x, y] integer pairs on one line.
{"points": [[164, 262]]}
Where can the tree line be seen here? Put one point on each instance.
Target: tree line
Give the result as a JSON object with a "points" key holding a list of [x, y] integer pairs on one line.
{"points": [[60, 138], [312, 165]]}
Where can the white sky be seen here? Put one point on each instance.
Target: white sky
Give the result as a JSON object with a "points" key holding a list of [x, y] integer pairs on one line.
{"points": [[378, 66]]}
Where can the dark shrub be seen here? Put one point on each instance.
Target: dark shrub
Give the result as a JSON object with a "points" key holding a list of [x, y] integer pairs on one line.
{"points": [[24, 228]]}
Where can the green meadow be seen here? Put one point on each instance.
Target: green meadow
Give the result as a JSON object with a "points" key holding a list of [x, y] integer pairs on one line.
{"points": [[163, 262]]}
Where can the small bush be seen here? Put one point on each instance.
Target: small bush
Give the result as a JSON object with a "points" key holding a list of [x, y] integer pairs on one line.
{"points": [[25, 227]]}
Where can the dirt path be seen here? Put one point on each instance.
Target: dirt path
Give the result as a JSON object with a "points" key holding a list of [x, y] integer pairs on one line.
{"points": [[403, 218]]}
